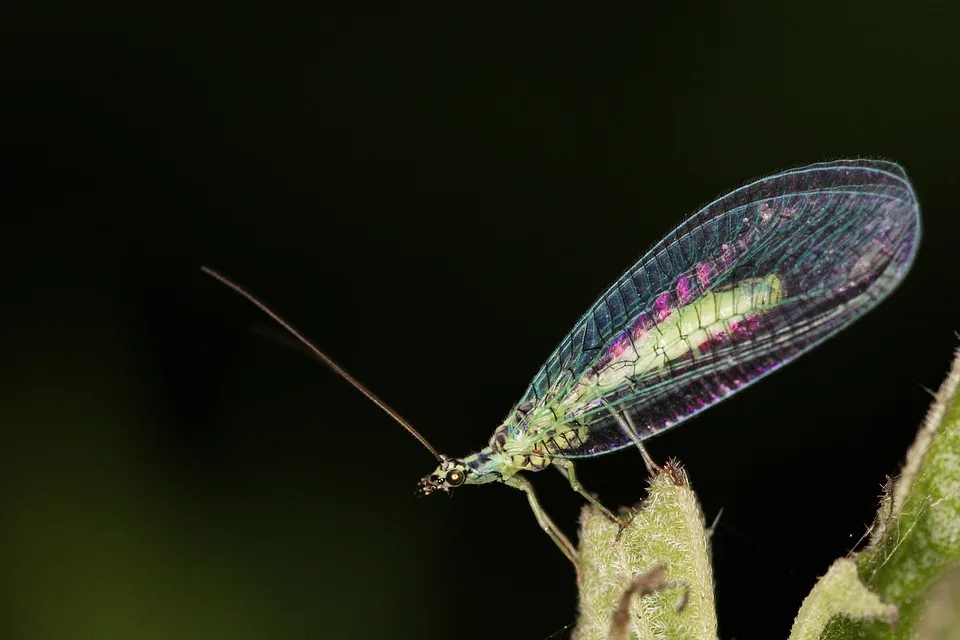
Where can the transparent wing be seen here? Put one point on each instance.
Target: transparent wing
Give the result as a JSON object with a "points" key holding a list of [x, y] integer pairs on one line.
{"points": [[803, 253]]}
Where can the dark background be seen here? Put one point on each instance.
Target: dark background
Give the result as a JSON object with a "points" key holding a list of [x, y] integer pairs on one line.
{"points": [[433, 198]]}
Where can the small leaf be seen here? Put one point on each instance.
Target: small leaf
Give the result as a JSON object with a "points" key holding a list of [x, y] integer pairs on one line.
{"points": [[839, 592]]}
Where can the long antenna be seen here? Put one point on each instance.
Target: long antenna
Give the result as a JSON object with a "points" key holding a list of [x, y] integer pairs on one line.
{"points": [[322, 357]]}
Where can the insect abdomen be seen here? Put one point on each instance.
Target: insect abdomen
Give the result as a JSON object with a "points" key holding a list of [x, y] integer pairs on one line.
{"points": [[716, 317]]}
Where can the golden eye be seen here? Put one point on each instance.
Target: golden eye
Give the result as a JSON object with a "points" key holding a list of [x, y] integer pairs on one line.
{"points": [[455, 478]]}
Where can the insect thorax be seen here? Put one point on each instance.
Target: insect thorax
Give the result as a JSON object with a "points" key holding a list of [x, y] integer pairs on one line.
{"points": [[531, 449]]}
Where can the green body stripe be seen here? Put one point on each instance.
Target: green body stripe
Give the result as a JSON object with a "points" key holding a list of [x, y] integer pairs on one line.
{"points": [[683, 331]]}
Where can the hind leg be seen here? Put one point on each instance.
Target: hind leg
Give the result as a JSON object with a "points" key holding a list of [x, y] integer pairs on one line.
{"points": [[566, 468]]}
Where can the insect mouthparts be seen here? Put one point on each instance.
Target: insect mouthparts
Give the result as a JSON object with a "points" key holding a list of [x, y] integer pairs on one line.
{"points": [[427, 485]]}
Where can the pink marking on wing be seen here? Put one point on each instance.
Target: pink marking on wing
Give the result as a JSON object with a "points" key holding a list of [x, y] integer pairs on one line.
{"points": [[640, 325], [739, 330], [683, 288], [687, 290], [619, 344], [662, 306], [745, 328], [718, 339]]}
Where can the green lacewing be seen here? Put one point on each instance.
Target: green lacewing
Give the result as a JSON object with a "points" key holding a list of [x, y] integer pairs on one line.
{"points": [[740, 288]]}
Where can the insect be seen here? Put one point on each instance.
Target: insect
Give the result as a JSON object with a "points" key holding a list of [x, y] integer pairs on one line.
{"points": [[743, 286]]}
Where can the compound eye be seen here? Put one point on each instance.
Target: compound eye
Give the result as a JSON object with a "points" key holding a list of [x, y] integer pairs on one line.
{"points": [[455, 478]]}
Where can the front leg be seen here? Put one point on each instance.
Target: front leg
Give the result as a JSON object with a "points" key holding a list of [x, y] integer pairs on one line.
{"points": [[519, 482]]}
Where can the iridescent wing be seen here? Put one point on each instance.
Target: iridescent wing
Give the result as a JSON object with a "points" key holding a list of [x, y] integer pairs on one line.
{"points": [[739, 289]]}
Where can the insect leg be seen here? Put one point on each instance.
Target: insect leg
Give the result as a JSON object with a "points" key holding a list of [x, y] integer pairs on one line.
{"points": [[626, 423], [519, 482], [566, 468], [652, 467]]}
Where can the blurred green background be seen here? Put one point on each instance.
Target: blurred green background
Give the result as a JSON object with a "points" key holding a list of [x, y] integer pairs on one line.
{"points": [[434, 198]]}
